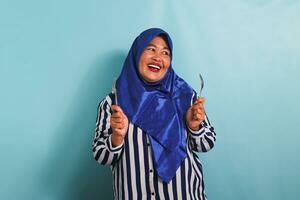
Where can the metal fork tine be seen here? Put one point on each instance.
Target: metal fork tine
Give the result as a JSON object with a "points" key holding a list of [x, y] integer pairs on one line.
{"points": [[114, 90]]}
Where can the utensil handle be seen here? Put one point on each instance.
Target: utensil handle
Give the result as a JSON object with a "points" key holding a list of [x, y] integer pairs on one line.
{"points": [[114, 90]]}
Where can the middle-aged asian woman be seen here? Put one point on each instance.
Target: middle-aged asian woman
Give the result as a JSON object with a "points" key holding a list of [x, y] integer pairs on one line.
{"points": [[148, 133]]}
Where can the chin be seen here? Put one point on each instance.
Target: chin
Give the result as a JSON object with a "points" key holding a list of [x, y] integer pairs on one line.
{"points": [[151, 80]]}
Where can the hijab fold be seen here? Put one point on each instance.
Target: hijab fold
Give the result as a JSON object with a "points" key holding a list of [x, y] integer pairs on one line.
{"points": [[157, 108]]}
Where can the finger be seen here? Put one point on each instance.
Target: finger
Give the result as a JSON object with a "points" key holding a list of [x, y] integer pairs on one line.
{"points": [[198, 104], [195, 115], [116, 108], [197, 107], [119, 112], [200, 110], [198, 117], [115, 125], [119, 132], [198, 114], [200, 100], [117, 115], [117, 120], [123, 114]]}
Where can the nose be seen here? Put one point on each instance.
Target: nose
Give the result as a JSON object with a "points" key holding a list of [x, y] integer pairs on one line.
{"points": [[156, 57]]}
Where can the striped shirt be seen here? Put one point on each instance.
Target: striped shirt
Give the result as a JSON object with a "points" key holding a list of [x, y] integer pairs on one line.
{"points": [[134, 176]]}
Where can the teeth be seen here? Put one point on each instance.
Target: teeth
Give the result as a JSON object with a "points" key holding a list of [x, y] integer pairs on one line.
{"points": [[154, 66]]}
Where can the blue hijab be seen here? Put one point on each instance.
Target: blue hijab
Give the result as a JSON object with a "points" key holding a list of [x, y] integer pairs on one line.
{"points": [[157, 108]]}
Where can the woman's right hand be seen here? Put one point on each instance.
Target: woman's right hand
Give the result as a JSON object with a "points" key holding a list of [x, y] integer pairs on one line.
{"points": [[119, 125]]}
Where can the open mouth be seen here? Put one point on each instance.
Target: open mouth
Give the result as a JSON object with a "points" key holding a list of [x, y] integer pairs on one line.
{"points": [[154, 68]]}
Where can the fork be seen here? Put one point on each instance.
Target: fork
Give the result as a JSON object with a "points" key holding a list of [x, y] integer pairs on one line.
{"points": [[114, 90]]}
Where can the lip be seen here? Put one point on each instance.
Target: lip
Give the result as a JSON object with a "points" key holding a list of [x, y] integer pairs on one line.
{"points": [[154, 67], [156, 64]]}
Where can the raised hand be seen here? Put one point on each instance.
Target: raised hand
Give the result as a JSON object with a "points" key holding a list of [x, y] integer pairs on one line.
{"points": [[196, 114], [119, 125]]}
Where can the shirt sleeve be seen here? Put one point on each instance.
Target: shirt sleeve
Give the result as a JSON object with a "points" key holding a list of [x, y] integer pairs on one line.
{"points": [[204, 139], [103, 151]]}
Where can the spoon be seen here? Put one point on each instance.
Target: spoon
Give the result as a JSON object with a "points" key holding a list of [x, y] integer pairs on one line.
{"points": [[202, 84]]}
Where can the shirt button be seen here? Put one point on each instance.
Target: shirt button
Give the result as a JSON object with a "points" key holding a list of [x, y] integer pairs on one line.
{"points": [[148, 144], [152, 193], [151, 170]]}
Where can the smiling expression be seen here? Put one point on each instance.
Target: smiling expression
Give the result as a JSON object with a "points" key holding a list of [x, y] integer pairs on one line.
{"points": [[155, 60]]}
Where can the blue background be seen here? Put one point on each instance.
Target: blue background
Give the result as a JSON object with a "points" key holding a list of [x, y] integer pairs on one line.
{"points": [[58, 59]]}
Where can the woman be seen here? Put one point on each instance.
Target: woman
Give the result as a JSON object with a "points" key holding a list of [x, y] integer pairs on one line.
{"points": [[148, 138]]}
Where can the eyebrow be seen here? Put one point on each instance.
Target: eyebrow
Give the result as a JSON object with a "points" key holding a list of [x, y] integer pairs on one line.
{"points": [[167, 48]]}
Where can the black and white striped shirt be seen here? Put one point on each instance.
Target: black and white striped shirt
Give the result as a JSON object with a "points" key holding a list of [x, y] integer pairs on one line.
{"points": [[134, 176]]}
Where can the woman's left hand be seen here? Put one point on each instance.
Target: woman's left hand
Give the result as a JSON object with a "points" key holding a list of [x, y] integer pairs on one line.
{"points": [[195, 115]]}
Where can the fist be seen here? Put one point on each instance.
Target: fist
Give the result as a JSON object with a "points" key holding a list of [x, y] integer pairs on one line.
{"points": [[119, 125], [196, 114]]}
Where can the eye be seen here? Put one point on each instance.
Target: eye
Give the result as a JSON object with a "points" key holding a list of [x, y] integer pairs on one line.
{"points": [[167, 53], [150, 48]]}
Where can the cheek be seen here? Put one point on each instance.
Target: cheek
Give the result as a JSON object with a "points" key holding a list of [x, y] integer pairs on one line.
{"points": [[141, 69], [167, 63], [141, 63]]}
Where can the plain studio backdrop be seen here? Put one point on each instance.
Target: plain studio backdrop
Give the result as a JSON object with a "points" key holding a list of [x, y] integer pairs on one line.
{"points": [[58, 60]]}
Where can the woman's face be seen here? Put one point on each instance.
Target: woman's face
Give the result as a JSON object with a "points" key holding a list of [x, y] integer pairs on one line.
{"points": [[155, 60]]}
